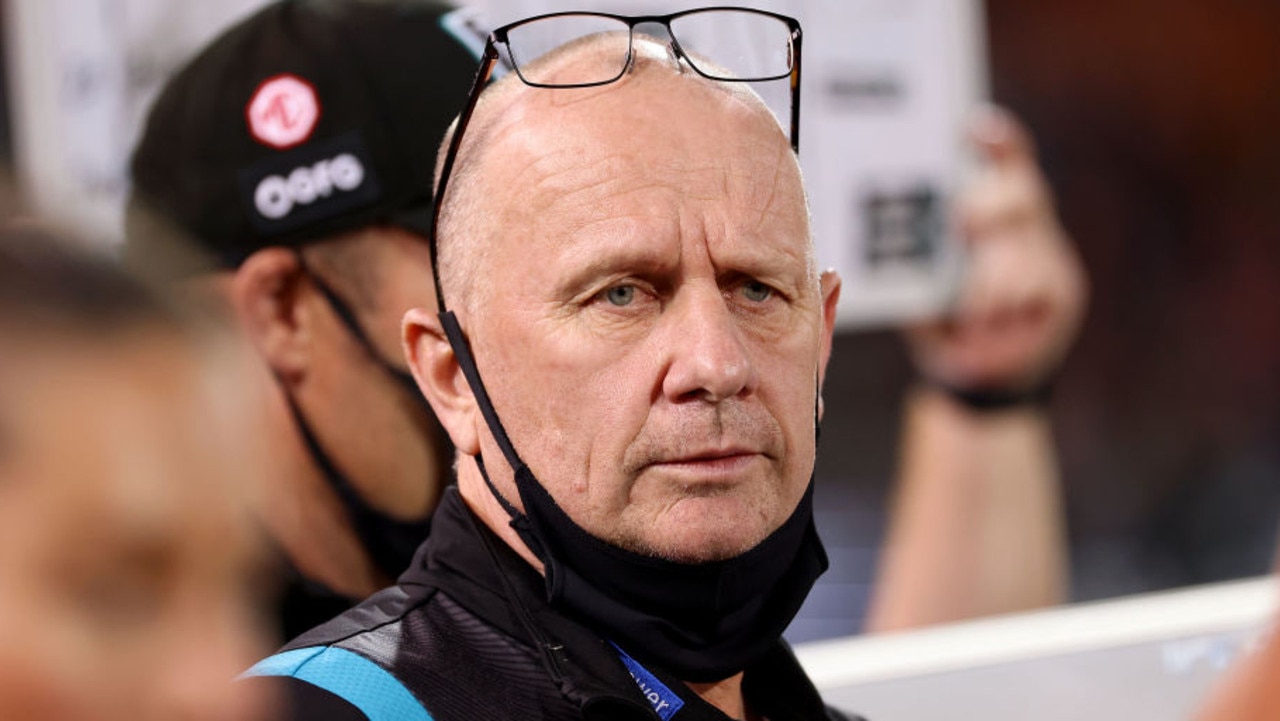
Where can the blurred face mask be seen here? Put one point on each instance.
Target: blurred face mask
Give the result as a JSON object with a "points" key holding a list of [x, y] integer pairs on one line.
{"points": [[389, 542]]}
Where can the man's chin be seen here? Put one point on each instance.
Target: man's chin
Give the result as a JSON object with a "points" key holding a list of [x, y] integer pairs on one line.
{"points": [[696, 545], [696, 529]]}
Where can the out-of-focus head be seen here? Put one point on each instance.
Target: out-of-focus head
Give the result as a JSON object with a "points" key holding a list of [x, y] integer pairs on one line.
{"points": [[633, 267], [295, 152], [305, 121], [309, 125], [125, 455]]}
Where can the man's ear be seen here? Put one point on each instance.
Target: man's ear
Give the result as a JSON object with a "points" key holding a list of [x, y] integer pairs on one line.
{"points": [[440, 378], [265, 295], [830, 289]]}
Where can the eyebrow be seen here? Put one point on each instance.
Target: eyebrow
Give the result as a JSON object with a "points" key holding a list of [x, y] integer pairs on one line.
{"points": [[626, 256]]}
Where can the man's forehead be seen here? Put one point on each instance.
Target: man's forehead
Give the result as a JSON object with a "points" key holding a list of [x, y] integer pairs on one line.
{"points": [[675, 121]]}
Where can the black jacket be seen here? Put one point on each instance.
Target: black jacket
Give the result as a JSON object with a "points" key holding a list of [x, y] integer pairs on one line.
{"points": [[304, 604], [467, 635]]}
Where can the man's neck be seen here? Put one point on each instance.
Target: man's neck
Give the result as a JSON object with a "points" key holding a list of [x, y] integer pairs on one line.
{"points": [[475, 493], [725, 695]]}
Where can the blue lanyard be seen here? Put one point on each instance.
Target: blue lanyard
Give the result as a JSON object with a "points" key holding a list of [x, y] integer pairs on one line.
{"points": [[665, 702]]}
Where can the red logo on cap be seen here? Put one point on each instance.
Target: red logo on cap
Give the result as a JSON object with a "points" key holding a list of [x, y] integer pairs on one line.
{"points": [[283, 111]]}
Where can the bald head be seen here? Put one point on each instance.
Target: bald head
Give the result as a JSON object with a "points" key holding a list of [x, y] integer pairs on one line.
{"points": [[527, 148]]}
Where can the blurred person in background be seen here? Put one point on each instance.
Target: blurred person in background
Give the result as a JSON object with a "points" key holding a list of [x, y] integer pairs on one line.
{"points": [[976, 526], [296, 151], [126, 460]]}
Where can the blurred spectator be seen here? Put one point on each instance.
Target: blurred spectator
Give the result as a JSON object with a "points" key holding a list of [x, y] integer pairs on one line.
{"points": [[126, 553], [976, 527], [1155, 125], [297, 151], [1156, 120]]}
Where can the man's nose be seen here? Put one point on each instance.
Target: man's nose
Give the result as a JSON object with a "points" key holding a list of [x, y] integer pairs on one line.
{"points": [[706, 351]]}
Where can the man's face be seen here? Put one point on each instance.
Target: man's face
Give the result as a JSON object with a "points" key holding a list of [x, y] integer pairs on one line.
{"points": [[125, 553], [651, 328]]}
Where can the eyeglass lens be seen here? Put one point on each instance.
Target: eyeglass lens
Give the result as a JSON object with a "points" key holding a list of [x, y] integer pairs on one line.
{"points": [[722, 44]]}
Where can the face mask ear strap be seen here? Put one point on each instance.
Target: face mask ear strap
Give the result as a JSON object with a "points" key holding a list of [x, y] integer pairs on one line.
{"points": [[403, 378], [513, 512], [340, 308], [462, 351], [348, 318]]}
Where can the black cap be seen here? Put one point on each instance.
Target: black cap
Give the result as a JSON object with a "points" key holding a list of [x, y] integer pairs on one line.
{"points": [[309, 119]]}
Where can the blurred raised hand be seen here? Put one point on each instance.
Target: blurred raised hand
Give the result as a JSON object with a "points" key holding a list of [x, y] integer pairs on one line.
{"points": [[976, 524], [1024, 292]]}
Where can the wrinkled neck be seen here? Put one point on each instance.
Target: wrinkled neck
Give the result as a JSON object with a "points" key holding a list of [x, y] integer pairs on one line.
{"points": [[474, 492], [725, 695]]}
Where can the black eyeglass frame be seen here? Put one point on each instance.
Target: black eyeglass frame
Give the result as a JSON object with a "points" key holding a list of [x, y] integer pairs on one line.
{"points": [[490, 57]]}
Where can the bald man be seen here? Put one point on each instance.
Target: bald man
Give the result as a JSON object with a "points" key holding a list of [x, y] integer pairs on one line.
{"points": [[629, 371]]}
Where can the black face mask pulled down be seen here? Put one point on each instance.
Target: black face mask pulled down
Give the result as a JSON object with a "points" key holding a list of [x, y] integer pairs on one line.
{"points": [[389, 542], [703, 622]]}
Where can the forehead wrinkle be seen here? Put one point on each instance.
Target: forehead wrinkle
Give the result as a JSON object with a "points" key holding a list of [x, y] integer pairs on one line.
{"points": [[786, 180], [755, 213], [573, 180], [593, 191], [758, 195]]}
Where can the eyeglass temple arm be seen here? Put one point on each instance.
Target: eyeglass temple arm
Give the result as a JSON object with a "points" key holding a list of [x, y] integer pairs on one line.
{"points": [[483, 74], [795, 88]]}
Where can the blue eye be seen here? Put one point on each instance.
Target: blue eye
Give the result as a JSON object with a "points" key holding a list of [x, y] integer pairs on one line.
{"points": [[756, 291], [621, 295]]}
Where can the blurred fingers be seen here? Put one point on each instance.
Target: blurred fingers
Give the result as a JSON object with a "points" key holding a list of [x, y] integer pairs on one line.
{"points": [[1010, 192], [1001, 139]]}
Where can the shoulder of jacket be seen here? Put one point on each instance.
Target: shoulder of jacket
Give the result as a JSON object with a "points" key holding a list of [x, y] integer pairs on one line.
{"points": [[359, 681]]}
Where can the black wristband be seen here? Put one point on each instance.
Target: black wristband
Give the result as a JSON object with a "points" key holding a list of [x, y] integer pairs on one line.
{"points": [[992, 400]]}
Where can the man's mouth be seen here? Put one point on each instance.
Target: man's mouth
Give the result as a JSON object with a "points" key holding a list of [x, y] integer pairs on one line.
{"points": [[713, 465]]}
